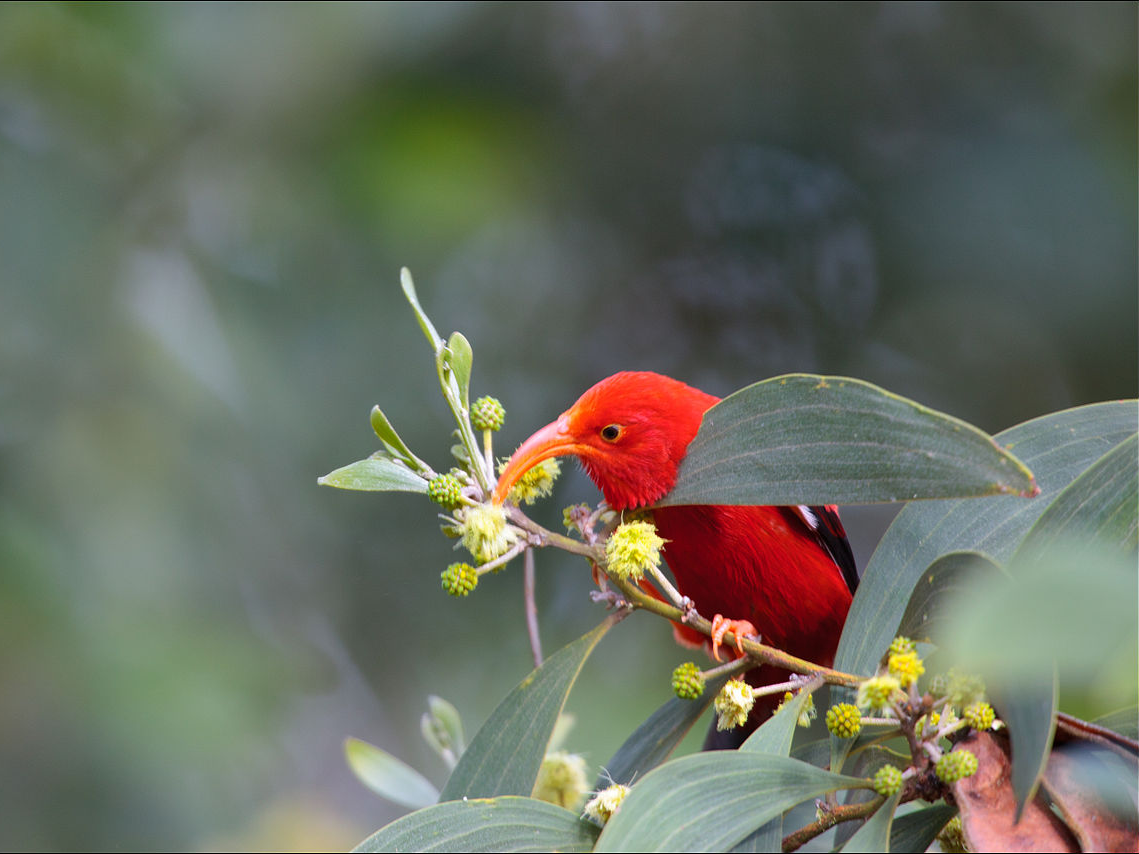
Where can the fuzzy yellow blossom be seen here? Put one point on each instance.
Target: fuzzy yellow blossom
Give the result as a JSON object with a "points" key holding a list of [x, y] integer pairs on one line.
{"points": [[632, 549], [906, 667], [535, 483], [606, 802], [562, 779], [733, 704], [877, 692], [485, 532]]}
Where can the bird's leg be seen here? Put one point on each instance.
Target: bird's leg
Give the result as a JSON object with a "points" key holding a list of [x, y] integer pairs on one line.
{"points": [[740, 628]]}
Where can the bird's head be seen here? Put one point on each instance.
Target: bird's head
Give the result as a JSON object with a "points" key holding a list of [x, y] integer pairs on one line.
{"points": [[629, 431]]}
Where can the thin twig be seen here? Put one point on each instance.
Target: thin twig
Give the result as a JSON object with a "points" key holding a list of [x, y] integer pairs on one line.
{"points": [[832, 816], [531, 606]]}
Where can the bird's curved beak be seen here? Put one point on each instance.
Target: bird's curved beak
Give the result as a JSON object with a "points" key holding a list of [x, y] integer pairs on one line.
{"points": [[553, 440]]}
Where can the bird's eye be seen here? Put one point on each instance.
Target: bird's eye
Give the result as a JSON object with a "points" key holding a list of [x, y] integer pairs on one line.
{"points": [[611, 433]]}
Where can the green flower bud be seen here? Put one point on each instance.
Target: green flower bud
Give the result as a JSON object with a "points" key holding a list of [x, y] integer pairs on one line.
{"points": [[877, 692], [955, 766], [687, 681], [844, 720], [445, 490], [980, 716], [888, 781], [487, 414], [459, 579], [902, 645]]}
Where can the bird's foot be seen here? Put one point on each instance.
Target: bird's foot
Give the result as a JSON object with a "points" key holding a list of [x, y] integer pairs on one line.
{"points": [[611, 598], [740, 628]]}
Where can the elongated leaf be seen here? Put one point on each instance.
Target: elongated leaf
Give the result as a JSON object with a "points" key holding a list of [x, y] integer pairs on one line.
{"points": [[459, 357], [712, 801], [654, 740], [442, 729], [425, 323], [874, 835], [805, 439], [504, 756], [1102, 503], [493, 824], [1029, 711], [916, 830], [394, 444], [948, 576], [776, 733], [375, 474], [1058, 447], [389, 777]]}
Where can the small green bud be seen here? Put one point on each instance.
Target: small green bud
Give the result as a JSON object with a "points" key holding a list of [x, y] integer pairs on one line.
{"points": [[906, 667], [687, 681], [955, 766], [952, 837], [446, 490], [844, 720], [888, 781], [632, 549], [980, 716], [964, 689], [606, 802], [733, 704], [459, 579], [487, 414]]}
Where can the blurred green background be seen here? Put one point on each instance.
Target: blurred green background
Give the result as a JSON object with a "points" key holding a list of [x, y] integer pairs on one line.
{"points": [[203, 213]]}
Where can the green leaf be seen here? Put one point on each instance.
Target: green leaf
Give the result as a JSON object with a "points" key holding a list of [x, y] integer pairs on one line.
{"points": [[458, 357], [1101, 504], [916, 830], [442, 729], [424, 321], [805, 439], [947, 576], [776, 733], [497, 824], [1029, 712], [654, 740], [712, 801], [1058, 447], [389, 777], [874, 835], [394, 444], [375, 474], [504, 756]]}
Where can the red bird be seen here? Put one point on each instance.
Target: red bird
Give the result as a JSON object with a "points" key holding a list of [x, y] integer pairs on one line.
{"points": [[787, 571]]}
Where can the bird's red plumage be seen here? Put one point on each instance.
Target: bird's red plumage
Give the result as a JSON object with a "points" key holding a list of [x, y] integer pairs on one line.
{"points": [[762, 564]]}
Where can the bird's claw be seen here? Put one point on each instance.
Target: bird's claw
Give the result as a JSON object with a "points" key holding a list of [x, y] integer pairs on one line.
{"points": [[740, 628], [611, 598]]}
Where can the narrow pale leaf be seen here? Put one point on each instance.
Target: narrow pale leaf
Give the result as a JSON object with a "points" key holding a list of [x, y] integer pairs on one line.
{"points": [[805, 439], [1029, 711], [654, 740], [504, 756], [916, 830], [425, 323], [459, 358], [874, 835], [491, 824], [375, 474], [391, 439], [712, 801], [389, 777]]}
